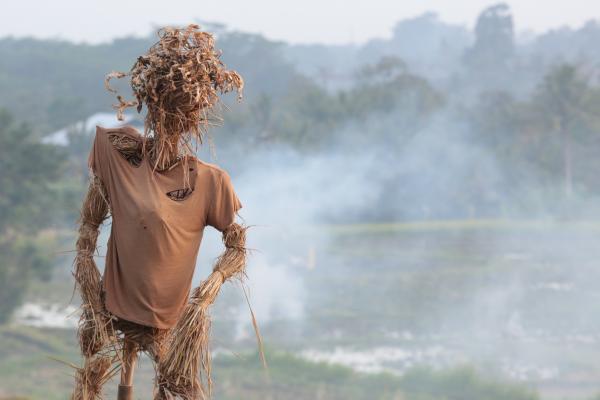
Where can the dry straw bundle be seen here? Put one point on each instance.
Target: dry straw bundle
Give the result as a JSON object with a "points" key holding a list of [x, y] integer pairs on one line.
{"points": [[95, 328], [148, 339], [91, 378], [179, 79]]}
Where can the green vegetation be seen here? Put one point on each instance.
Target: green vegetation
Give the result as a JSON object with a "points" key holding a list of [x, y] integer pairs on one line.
{"points": [[459, 384], [33, 364], [28, 203]]}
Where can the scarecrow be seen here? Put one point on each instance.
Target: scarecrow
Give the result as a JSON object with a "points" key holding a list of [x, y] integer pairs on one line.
{"points": [[160, 198]]}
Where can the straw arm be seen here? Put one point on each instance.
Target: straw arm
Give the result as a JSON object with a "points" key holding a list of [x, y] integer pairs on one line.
{"points": [[94, 322], [185, 370], [93, 212]]}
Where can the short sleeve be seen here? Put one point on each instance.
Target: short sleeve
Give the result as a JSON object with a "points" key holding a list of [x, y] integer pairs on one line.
{"points": [[224, 203], [97, 157]]}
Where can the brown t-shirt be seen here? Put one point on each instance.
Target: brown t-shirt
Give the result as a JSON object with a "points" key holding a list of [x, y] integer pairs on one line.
{"points": [[155, 236]]}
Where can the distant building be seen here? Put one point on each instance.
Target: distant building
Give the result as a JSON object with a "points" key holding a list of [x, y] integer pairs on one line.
{"points": [[104, 119]]}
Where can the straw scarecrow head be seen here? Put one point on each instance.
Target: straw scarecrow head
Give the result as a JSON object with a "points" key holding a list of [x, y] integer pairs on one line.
{"points": [[179, 80]]}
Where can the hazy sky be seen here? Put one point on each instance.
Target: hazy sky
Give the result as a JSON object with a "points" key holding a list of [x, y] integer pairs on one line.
{"points": [[325, 21]]}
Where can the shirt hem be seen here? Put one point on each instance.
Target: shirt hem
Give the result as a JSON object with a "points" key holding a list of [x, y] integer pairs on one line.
{"points": [[136, 320]]}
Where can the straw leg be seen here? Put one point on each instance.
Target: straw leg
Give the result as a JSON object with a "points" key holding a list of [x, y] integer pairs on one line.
{"points": [[90, 378]]}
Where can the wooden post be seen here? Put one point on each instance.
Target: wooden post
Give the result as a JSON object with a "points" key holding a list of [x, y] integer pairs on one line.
{"points": [[130, 354]]}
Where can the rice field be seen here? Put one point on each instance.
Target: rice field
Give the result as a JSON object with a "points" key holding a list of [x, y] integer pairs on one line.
{"points": [[385, 311]]}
